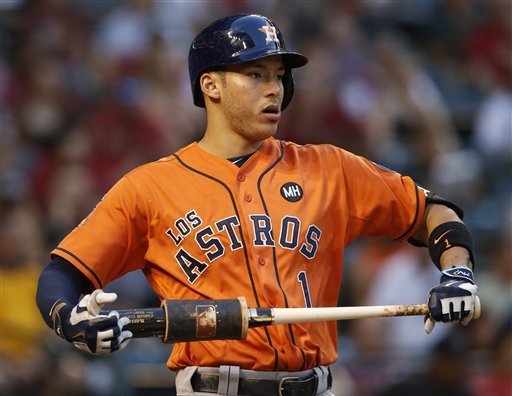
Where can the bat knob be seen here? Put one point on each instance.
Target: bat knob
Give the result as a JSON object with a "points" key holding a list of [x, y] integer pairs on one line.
{"points": [[478, 308]]}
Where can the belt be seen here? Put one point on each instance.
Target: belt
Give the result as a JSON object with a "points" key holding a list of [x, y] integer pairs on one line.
{"points": [[286, 386]]}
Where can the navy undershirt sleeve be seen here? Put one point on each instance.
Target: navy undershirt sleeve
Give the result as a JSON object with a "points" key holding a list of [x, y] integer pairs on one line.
{"points": [[59, 281]]}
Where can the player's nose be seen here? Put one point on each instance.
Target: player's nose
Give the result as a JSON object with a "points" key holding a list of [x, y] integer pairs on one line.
{"points": [[274, 88]]}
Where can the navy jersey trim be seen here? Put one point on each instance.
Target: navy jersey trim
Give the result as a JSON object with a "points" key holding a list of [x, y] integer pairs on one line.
{"points": [[81, 262], [415, 215]]}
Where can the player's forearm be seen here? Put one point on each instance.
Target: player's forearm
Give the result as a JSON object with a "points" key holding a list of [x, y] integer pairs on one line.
{"points": [[436, 215], [457, 255]]}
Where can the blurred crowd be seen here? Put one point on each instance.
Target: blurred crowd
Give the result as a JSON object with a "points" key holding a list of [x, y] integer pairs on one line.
{"points": [[91, 89]]}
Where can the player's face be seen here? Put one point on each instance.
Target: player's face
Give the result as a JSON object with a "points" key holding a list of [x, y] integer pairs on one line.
{"points": [[251, 97]]}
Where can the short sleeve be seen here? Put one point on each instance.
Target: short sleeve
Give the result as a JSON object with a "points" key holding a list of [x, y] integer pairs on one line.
{"points": [[112, 240], [380, 202]]}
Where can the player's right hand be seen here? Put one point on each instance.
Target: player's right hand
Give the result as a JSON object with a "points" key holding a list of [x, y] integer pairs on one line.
{"points": [[454, 299], [88, 330]]}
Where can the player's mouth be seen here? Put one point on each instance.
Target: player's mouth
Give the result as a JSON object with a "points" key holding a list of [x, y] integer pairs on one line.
{"points": [[272, 112]]}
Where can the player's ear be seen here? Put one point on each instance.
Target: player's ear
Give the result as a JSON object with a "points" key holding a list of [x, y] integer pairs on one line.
{"points": [[210, 83]]}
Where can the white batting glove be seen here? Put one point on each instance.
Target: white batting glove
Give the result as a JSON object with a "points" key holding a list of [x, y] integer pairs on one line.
{"points": [[454, 299], [88, 330]]}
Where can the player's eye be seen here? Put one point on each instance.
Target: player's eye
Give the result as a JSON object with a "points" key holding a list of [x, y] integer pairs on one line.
{"points": [[254, 75]]}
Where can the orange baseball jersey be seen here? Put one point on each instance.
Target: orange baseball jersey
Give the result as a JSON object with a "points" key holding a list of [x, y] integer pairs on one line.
{"points": [[273, 231]]}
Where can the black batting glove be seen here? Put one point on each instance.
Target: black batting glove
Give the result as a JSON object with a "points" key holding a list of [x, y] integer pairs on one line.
{"points": [[87, 329], [453, 300]]}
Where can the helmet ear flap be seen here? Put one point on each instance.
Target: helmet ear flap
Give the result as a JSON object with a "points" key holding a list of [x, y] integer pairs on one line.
{"points": [[288, 86], [198, 94]]}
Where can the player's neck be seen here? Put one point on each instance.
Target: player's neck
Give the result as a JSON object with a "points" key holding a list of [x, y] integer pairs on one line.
{"points": [[227, 145]]}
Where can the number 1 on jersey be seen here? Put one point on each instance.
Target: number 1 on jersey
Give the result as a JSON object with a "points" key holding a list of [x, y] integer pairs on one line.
{"points": [[301, 277]]}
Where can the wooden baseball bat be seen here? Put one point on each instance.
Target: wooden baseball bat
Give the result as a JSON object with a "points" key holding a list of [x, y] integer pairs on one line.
{"points": [[201, 320], [302, 315]]}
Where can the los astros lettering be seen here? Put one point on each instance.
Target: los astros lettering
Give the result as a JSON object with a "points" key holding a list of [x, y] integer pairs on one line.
{"points": [[213, 247]]}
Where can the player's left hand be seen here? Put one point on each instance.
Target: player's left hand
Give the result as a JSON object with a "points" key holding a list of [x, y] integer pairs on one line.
{"points": [[88, 329], [453, 300]]}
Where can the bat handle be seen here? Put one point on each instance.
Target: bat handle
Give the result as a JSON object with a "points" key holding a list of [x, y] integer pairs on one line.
{"points": [[144, 322]]}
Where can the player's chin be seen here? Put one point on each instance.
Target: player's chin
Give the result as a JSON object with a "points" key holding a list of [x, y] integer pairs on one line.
{"points": [[265, 133], [267, 129]]}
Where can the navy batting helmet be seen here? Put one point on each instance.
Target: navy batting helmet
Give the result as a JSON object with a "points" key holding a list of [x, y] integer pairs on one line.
{"points": [[236, 39]]}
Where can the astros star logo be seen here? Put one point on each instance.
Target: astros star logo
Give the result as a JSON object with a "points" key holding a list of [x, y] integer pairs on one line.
{"points": [[270, 32]]}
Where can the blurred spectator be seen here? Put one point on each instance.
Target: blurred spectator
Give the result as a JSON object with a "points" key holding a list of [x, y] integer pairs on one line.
{"points": [[385, 350], [126, 31], [490, 56], [70, 192], [364, 359], [495, 280], [408, 114], [164, 97], [325, 121], [43, 109], [405, 278], [178, 22], [22, 356], [121, 135], [497, 379], [362, 267], [489, 46], [446, 374], [493, 127], [458, 174]]}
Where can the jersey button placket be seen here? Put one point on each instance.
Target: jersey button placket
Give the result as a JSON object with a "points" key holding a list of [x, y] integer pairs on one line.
{"points": [[242, 178], [262, 261]]}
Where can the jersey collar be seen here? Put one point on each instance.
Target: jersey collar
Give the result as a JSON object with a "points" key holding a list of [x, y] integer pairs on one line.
{"points": [[194, 156]]}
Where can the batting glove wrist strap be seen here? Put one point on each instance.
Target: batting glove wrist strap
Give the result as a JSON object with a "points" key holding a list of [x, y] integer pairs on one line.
{"points": [[458, 273], [60, 314], [448, 235]]}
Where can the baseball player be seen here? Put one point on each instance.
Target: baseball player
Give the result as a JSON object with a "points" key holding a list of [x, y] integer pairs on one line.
{"points": [[241, 213]]}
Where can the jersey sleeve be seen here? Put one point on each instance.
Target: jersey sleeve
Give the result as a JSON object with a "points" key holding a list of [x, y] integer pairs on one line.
{"points": [[112, 240], [379, 201]]}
